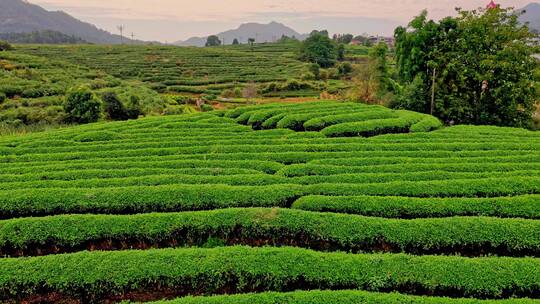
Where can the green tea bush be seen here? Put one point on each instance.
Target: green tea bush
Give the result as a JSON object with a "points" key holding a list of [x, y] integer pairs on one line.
{"points": [[99, 275], [333, 297], [279, 227]]}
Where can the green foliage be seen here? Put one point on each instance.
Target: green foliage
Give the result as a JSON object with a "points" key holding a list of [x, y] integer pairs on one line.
{"points": [[114, 108], [378, 55], [315, 69], [462, 199], [97, 275], [413, 207], [235, 42], [5, 46], [206, 108], [492, 85], [343, 38], [319, 49], [212, 40], [341, 52], [41, 37], [332, 297], [82, 106], [345, 68], [231, 226]]}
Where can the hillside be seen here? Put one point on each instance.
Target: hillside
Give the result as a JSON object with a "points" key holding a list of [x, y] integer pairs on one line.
{"points": [[261, 32], [33, 89], [17, 16], [41, 37], [192, 70], [532, 15], [208, 204]]}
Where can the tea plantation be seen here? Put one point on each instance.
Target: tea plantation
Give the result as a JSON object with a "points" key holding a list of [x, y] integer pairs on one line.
{"points": [[33, 89], [320, 202], [189, 70]]}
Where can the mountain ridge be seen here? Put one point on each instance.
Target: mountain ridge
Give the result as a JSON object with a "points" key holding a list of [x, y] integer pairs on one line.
{"points": [[531, 15], [261, 32], [18, 16]]}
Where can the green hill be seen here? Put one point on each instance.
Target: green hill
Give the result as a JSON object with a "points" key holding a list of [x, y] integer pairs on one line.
{"points": [[264, 200]]}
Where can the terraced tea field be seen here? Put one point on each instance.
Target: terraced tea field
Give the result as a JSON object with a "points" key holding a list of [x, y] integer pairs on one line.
{"points": [[34, 89], [183, 69], [306, 203]]}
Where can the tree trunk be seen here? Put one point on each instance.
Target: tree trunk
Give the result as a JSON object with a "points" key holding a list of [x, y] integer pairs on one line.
{"points": [[432, 108]]}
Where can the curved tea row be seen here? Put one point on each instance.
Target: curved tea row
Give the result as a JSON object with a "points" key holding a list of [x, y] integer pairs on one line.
{"points": [[202, 205]]}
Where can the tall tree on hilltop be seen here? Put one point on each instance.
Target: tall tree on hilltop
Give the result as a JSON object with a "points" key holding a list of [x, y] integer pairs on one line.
{"points": [[320, 49], [213, 41]]}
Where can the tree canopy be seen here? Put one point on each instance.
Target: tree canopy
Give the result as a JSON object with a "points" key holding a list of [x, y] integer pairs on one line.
{"points": [[5, 46], [213, 40], [319, 49], [475, 68]]}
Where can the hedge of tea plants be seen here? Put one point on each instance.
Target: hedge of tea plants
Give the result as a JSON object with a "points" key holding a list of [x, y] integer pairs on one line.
{"points": [[262, 205]]}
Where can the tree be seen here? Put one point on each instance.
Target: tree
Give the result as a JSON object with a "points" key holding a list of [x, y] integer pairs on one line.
{"points": [[476, 68], [114, 108], [341, 52], [249, 91], [4, 46], [323, 33], [213, 40], [251, 41], [320, 49], [315, 69], [235, 42], [378, 58], [343, 38], [81, 106], [345, 68]]}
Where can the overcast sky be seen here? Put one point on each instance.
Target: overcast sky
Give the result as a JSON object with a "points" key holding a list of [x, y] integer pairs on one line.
{"points": [[171, 20]]}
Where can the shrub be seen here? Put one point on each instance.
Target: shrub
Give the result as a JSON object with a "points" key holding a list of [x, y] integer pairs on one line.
{"points": [[133, 108], [315, 69], [114, 109], [345, 68], [307, 76], [209, 97], [206, 108], [3, 97], [319, 231], [98, 275], [332, 297], [227, 93], [5, 46], [82, 106]]}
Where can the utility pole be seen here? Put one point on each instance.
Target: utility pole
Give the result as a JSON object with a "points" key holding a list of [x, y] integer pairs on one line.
{"points": [[121, 29], [132, 38]]}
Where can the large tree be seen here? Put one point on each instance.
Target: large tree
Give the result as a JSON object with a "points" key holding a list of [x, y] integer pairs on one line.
{"points": [[319, 49], [476, 68], [213, 41]]}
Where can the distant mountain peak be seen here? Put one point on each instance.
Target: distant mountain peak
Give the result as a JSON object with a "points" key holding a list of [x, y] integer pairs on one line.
{"points": [[261, 32]]}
